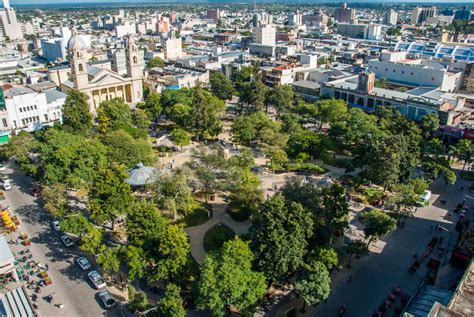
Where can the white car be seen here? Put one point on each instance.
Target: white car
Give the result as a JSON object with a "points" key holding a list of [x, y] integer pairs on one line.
{"points": [[107, 299], [55, 225], [67, 241], [83, 263], [6, 186], [97, 280]]}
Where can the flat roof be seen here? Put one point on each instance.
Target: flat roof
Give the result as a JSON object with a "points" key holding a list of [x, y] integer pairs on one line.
{"points": [[5, 252], [306, 84]]}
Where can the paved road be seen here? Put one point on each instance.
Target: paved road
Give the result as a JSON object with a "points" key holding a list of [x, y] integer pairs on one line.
{"points": [[69, 283], [381, 272]]}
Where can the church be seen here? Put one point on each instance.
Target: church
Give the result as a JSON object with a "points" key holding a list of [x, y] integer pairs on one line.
{"points": [[99, 82]]}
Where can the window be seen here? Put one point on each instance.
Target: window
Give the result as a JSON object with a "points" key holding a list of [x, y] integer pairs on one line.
{"points": [[351, 98], [35, 107], [21, 109], [81, 68], [135, 60], [4, 121], [46, 117]]}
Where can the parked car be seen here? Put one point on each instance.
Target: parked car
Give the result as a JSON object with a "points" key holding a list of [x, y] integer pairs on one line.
{"points": [[55, 225], [67, 241], [83, 263], [96, 280], [6, 186], [107, 299]]}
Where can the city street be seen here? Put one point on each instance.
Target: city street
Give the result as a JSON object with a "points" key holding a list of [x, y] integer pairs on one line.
{"points": [[70, 285], [377, 275]]}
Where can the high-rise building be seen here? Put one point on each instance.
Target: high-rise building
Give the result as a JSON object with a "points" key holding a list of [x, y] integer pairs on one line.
{"points": [[118, 60], [344, 14], [213, 15], [463, 15], [421, 14], [391, 18], [357, 31], [264, 34], [318, 18], [10, 25], [295, 19]]}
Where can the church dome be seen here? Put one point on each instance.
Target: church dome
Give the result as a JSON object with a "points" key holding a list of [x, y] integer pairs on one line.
{"points": [[76, 42]]}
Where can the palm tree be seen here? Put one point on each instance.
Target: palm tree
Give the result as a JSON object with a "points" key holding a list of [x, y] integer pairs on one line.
{"points": [[452, 153]]}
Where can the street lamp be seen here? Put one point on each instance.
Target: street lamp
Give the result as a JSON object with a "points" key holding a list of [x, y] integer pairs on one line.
{"points": [[449, 242]]}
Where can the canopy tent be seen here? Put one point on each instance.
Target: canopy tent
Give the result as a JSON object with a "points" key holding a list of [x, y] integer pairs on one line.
{"points": [[142, 175]]}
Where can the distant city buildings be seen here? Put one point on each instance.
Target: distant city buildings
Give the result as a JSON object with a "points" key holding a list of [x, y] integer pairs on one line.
{"points": [[264, 34], [391, 18]]}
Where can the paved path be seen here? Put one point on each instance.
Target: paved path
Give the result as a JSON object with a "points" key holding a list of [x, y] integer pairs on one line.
{"points": [[197, 233]]}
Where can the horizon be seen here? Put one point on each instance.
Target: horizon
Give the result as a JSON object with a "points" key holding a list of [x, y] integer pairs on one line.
{"points": [[72, 2]]}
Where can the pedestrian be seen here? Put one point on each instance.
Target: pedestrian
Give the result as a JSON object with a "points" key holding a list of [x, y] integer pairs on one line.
{"points": [[46, 266], [462, 188]]}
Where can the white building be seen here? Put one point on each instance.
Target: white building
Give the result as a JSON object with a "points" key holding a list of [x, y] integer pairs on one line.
{"points": [[421, 14], [30, 110], [11, 28], [295, 19], [391, 18], [416, 73], [374, 32], [264, 34], [126, 29], [173, 48]]}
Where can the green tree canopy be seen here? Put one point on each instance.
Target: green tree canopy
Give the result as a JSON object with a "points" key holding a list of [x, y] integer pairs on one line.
{"points": [[280, 236], [110, 196], [172, 304], [227, 279], [221, 86], [376, 224], [123, 149], [113, 114], [314, 286], [155, 62], [77, 117]]}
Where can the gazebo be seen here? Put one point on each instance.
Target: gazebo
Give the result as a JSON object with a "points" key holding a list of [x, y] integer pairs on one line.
{"points": [[141, 175]]}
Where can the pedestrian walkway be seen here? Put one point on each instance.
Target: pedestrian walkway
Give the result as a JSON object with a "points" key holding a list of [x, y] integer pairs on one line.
{"points": [[197, 233]]}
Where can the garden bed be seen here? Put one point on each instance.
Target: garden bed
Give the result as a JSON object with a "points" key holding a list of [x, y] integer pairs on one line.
{"points": [[217, 236]]}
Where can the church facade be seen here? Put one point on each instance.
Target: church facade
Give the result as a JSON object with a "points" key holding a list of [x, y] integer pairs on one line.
{"points": [[99, 83]]}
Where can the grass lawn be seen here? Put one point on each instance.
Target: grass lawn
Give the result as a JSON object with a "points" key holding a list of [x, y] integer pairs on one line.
{"points": [[196, 217], [217, 236]]}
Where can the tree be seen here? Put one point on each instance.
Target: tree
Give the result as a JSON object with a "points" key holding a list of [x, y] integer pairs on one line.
{"points": [[381, 82], [76, 113], [152, 106], [246, 195], [332, 216], [110, 195], [465, 151], [180, 137], [281, 97], [76, 224], [138, 300], [358, 248], [56, 200], [155, 62], [314, 286], [113, 114], [110, 259], [123, 149], [325, 255], [221, 86], [141, 119], [280, 236], [376, 224], [70, 159], [429, 124], [173, 194], [145, 226], [227, 279], [135, 262], [171, 305], [171, 255], [204, 117], [329, 111], [394, 31], [91, 240], [407, 195]]}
